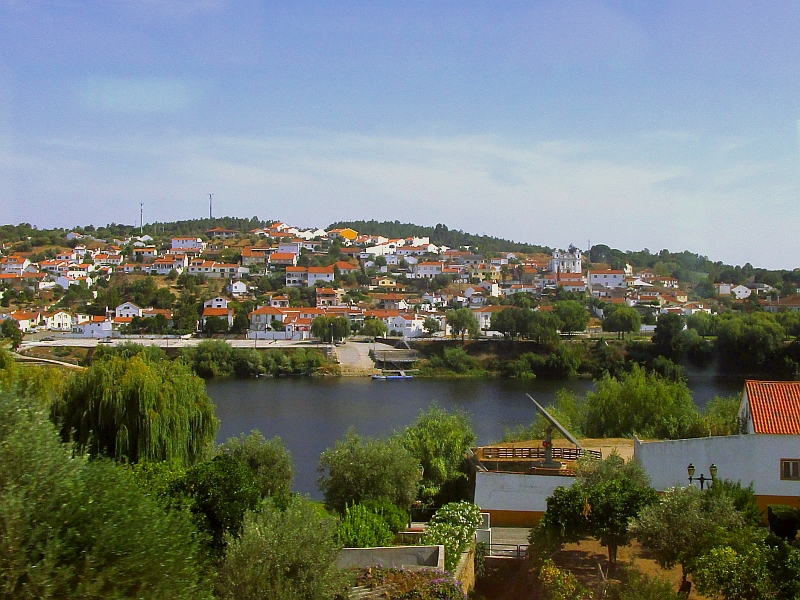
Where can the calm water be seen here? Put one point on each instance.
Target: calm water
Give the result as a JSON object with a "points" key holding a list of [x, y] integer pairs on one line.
{"points": [[311, 414]]}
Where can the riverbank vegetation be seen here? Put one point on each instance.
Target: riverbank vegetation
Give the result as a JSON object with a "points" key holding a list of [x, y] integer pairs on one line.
{"points": [[217, 358]]}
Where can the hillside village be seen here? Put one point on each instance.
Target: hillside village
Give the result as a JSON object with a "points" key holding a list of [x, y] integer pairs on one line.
{"points": [[271, 283]]}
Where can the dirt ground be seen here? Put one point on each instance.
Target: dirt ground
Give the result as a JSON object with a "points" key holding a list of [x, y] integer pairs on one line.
{"points": [[508, 581]]}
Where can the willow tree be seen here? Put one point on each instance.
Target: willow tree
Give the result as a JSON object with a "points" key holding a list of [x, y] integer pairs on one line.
{"points": [[132, 409]]}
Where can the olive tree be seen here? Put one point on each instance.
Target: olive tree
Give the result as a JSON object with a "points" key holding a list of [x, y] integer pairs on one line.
{"points": [[358, 469]]}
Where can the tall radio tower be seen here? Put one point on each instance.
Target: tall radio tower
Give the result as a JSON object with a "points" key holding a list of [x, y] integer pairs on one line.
{"points": [[210, 200], [141, 220]]}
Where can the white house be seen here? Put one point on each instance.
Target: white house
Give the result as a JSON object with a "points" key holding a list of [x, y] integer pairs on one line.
{"points": [[408, 324], [610, 278], [426, 270], [191, 244], [741, 292], [323, 274], [218, 302], [127, 310], [59, 320], [93, 329], [237, 288]]}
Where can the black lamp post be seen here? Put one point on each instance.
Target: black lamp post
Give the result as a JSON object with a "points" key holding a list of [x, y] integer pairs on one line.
{"points": [[702, 479]]}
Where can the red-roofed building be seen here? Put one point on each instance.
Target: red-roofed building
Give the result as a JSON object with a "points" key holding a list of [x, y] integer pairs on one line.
{"points": [[766, 453], [221, 313], [771, 407]]}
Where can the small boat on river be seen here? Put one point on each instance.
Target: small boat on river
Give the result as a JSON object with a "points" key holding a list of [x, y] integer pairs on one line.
{"points": [[399, 375]]}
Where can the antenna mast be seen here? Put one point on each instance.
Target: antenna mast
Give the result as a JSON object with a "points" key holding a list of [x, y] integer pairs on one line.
{"points": [[141, 221], [210, 200]]}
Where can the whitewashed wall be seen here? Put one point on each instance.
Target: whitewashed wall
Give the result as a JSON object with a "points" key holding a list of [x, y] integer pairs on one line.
{"points": [[742, 458], [516, 491]]}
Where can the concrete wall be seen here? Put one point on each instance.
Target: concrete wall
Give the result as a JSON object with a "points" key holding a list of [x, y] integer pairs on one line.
{"points": [[746, 458], [393, 556], [515, 499]]}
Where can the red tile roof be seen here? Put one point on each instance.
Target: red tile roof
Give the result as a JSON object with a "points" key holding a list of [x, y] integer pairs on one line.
{"points": [[775, 406]]}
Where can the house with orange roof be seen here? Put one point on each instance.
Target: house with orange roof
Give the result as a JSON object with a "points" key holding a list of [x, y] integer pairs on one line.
{"points": [[26, 320], [221, 313], [320, 274], [283, 259], [221, 232], [327, 297], [344, 233], [766, 452]]}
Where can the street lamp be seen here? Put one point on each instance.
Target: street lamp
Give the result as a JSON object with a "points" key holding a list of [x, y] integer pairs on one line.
{"points": [[702, 479]]}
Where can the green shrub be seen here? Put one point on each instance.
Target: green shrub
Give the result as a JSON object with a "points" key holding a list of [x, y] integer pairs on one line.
{"points": [[784, 521], [453, 526], [362, 528], [247, 362], [396, 518], [558, 584], [637, 586]]}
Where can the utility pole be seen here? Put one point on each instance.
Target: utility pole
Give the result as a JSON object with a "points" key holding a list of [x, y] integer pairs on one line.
{"points": [[210, 200], [141, 219]]}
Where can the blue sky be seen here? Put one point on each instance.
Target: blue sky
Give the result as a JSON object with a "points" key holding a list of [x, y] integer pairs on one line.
{"points": [[633, 124]]}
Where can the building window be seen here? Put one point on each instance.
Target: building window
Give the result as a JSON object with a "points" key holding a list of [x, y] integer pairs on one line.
{"points": [[790, 469]]}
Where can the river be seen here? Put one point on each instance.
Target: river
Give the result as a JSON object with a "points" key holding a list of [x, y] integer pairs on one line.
{"points": [[310, 414]]}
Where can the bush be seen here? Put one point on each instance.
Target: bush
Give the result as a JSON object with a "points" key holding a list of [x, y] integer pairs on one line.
{"points": [[641, 403], [559, 584], [396, 518], [268, 460], [282, 555], [218, 493], [211, 358], [784, 521], [453, 526], [247, 363], [637, 586], [361, 527], [73, 528]]}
